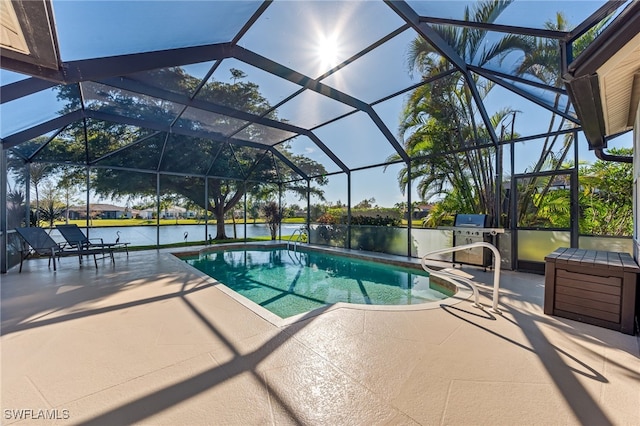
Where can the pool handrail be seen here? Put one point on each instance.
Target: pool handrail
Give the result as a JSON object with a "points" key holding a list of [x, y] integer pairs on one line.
{"points": [[444, 273], [497, 259], [299, 233]]}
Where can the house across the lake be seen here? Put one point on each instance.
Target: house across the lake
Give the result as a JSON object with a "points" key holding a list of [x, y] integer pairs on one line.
{"points": [[168, 213], [103, 211]]}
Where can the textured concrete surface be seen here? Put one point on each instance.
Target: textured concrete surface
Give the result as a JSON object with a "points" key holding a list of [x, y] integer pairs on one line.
{"points": [[151, 341]]}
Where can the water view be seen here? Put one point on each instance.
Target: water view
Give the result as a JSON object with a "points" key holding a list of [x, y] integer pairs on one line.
{"points": [[148, 235]]}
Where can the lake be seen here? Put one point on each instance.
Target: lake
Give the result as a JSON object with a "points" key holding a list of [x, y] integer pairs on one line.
{"points": [[147, 235]]}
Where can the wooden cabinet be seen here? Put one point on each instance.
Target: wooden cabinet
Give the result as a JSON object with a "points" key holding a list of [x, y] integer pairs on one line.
{"points": [[595, 287]]}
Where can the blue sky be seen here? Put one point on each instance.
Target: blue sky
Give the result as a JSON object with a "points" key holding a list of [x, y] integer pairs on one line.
{"points": [[297, 30]]}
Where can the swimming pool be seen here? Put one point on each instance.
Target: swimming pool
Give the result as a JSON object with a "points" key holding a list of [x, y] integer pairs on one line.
{"points": [[289, 282]]}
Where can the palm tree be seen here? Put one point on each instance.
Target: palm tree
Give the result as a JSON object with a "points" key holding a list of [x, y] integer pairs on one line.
{"points": [[15, 207], [440, 118], [38, 173], [543, 63], [52, 208]]}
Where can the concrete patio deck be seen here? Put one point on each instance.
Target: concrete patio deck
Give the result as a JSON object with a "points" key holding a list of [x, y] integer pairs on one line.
{"points": [[151, 341]]}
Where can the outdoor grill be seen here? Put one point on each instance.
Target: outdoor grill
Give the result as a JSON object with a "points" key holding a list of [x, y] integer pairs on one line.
{"points": [[472, 228]]}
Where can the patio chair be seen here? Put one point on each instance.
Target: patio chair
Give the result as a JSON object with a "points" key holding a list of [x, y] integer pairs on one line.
{"points": [[37, 241], [76, 238]]}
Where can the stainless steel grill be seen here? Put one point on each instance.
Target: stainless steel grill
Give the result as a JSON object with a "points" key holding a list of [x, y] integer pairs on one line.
{"points": [[472, 228]]}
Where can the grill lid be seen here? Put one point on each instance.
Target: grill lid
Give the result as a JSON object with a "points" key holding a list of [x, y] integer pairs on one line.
{"points": [[472, 220]]}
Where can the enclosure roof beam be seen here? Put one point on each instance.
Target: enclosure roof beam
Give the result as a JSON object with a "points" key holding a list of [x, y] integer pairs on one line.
{"points": [[603, 11], [327, 151], [526, 95], [537, 84], [289, 163], [110, 66], [26, 87], [509, 29]]}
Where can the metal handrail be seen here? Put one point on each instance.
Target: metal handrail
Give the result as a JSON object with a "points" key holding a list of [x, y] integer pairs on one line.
{"points": [[496, 271], [299, 232]]}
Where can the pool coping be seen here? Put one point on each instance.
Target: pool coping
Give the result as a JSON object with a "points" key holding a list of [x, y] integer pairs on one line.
{"points": [[462, 291]]}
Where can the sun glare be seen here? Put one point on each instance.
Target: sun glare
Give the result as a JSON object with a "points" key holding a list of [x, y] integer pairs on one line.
{"points": [[328, 51]]}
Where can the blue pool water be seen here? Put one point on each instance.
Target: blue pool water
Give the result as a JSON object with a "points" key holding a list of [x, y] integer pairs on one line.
{"points": [[289, 283]]}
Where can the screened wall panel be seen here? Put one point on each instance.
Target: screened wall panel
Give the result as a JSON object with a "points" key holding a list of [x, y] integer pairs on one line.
{"points": [[544, 202], [266, 170], [17, 196], [263, 134], [357, 141], [271, 87], [118, 31], [181, 198], [28, 111], [307, 156], [103, 138], [144, 153], [67, 147], [332, 191], [313, 37], [216, 125], [380, 81], [27, 149], [184, 154], [544, 154], [108, 99], [379, 187], [115, 186], [183, 80], [605, 197], [526, 14], [310, 109], [236, 162]]}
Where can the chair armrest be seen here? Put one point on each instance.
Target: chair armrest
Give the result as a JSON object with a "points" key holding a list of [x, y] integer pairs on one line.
{"points": [[72, 244], [69, 247]]}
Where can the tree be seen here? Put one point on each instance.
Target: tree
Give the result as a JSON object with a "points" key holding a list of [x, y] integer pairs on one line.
{"points": [[542, 62], [16, 204], [606, 197], [237, 169], [439, 125], [253, 208], [69, 184], [367, 203], [52, 207], [38, 172], [273, 217]]}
